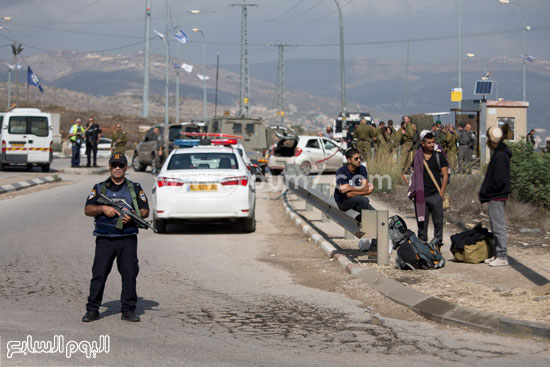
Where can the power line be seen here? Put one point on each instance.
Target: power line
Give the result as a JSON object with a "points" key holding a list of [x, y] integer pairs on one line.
{"points": [[283, 14]]}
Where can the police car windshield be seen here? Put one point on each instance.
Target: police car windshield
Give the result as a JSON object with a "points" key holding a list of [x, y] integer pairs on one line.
{"points": [[203, 160]]}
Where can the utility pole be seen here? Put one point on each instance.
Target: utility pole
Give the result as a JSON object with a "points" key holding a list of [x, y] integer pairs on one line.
{"points": [[244, 85], [217, 77], [16, 50], [342, 63], [281, 82], [145, 103], [407, 78]]}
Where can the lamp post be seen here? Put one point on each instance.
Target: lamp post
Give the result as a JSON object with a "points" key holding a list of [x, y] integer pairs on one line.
{"points": [[203, 70], [460, 48], [342, 64], [525, 28], [146, 68]]}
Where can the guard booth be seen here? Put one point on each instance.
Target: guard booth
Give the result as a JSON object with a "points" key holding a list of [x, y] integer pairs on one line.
{"points": [[497, 113]]}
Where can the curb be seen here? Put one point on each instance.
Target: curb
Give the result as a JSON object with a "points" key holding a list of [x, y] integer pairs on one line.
{"points": [[85, 170], [425, 305], [4, 189]]}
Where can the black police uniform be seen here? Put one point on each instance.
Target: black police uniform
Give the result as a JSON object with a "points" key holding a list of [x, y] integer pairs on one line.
{"points": [[92, 141], [116, 243]]}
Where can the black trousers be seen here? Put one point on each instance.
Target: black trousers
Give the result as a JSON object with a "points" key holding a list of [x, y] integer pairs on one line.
{"points": [[356, 203], [124, 249], [434, 206], [91, 148]]}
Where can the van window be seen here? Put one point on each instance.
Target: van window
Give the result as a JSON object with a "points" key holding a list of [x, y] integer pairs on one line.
{"points": [[237, 128], [249, 129], [39, 126], [17, 125]]}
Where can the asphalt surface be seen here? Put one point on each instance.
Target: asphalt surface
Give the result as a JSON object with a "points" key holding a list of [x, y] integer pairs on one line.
{"points": [[205, 299]]}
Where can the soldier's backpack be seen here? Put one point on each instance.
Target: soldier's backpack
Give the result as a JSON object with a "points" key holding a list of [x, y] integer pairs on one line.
{"points": [[411, 252]]}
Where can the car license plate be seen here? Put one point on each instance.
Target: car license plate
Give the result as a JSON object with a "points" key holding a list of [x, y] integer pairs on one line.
{"points": [[203, 187], [17, 145]]}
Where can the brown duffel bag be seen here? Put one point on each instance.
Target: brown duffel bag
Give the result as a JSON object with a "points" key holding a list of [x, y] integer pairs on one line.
{"points": [[476, 253]]}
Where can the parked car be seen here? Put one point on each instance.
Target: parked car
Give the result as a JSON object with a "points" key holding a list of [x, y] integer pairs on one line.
{"points": [[312, 153], [103, 148], [204, 182], [146, 150]]}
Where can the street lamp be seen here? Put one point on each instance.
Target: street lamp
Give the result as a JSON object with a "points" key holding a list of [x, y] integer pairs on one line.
{"points": [[524, 28], [342, 66], [203, 70]]}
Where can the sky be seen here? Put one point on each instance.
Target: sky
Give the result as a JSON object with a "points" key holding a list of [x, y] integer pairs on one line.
{"points": [[372, 28]]}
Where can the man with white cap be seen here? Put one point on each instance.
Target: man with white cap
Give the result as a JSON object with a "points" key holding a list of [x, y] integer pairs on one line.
{"points": [[495, 190]]}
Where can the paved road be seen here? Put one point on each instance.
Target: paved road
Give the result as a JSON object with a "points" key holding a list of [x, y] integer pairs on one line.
{"points": [[205, 299]]}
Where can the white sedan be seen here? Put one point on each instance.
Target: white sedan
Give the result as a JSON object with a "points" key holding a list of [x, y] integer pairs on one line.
{"points": [[103, 148], [204, 182]]}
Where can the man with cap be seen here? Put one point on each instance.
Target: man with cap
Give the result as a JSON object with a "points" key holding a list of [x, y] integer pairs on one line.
{"points": [[428, 190], [116, 237], [495, 189]]}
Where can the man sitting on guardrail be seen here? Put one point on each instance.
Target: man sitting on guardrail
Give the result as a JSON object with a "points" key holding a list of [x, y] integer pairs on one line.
{"points": [[352, 185]]}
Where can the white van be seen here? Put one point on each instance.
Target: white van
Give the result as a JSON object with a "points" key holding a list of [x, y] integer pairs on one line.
{"points": [[27, 137]]}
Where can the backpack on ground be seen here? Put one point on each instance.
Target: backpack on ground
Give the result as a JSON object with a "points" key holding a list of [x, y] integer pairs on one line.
{"points": [[473, 245], [412, 253]]}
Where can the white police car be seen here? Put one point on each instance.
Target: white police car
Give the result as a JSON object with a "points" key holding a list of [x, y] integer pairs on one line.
{"points": [[204, 180]]}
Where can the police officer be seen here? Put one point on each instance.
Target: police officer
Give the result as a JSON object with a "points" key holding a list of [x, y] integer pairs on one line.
{"points": [[93, 134], [76, 135], [119, 140], [116, 237]]}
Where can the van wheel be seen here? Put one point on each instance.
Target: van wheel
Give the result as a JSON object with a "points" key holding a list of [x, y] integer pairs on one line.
{"points": [[136, 164], [305, 167], [249, 224], [160, 225], [45, 168]]}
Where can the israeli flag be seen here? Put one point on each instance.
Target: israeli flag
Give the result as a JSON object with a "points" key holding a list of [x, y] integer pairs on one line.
{"points": [[184, 66], [32, 79], [181, 36], [528, 58], [12, 67], [161, 35]]}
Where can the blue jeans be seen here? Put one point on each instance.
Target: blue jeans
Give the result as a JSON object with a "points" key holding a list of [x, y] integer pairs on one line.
{"points": [[75, 157]]}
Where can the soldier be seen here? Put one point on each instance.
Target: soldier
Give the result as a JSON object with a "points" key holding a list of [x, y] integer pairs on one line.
{"points": [[466, 141], [119, 140], [363, 133], [450, 147], [439, 135], [407, 140]]}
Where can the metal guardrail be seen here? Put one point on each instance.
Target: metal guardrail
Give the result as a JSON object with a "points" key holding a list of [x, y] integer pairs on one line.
{"points": [[374, 223]]}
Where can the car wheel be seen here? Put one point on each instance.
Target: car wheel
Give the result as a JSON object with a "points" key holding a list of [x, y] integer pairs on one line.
{"points": [[136, 164], [45, 167], [249, 224], [305, 167], [160, 225]]}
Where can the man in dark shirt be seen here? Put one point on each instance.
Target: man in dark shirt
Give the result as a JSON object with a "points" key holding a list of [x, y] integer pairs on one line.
{"points": [[116, 237], [93, 134], [352, 185], [427, 195]]}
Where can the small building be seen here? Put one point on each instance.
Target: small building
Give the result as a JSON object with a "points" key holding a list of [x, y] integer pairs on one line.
{"points": [[499, 113]]}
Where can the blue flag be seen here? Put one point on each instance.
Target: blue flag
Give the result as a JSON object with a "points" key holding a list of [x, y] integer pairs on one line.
{"points": [[32, 79], [181, 36]]}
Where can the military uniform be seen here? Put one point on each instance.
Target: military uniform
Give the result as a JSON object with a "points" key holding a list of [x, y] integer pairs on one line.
{"points": [[115, 239], [451, 149], [406, 148], [363, 134], [118, 143], [466, 141]]}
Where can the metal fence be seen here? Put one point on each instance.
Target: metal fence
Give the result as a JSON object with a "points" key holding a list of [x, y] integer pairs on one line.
{"points": [[374, 223]]}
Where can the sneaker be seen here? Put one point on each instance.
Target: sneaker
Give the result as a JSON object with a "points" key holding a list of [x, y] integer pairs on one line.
{"points": [[364, 244], [499, 261], [489, 260], [90, 316]]}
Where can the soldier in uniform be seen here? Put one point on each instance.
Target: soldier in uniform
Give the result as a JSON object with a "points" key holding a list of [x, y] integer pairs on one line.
{"points": [[116, 237], [466, 141], [160, 151], [407, 139], [363, 134], [450, 147], [119, 140]]}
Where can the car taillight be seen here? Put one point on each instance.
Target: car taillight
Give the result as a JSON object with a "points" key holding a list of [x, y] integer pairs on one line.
{"points": [[297, 152], [235, 181], [169, 181], [249, 168], [3, 146], [51, 147], [273, 150]]}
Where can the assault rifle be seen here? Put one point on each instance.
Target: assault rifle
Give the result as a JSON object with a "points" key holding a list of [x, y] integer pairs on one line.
{"points": [[123, 210]]}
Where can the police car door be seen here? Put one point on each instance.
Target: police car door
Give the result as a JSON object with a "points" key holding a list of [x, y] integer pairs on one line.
{"points": [[39, 139]]}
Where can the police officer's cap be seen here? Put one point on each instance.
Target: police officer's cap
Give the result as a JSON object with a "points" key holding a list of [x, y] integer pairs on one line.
{"points": [[118, 158]]}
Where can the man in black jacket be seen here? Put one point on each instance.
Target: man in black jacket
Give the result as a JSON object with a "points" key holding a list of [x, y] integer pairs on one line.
{"points": [[495, 190]]}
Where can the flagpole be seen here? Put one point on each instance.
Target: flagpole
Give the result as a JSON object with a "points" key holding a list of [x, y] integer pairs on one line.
{"points": [[217, 73], [177, 85], [28, 96]]}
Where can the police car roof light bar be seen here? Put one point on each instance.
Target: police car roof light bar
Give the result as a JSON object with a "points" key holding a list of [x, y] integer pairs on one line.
{"points": [[184, 143]]}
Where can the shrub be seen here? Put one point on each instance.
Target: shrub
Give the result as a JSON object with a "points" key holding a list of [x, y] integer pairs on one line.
{"points": [[530, 174], [386, 167]]}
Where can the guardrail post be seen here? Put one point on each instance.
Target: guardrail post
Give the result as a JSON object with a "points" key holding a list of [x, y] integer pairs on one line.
{"points": [[325, 189], [309, 207], [374, 223]]}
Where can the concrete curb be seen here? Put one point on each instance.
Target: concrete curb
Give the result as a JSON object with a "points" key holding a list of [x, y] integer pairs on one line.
{"points": [[429, 307], [28, 183], [85, 170]]}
